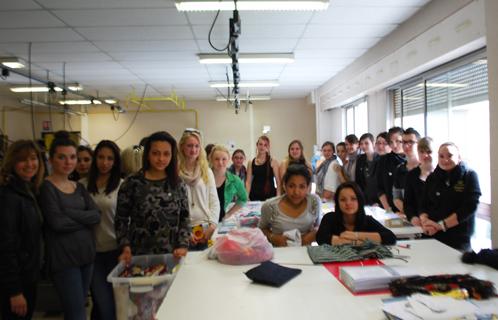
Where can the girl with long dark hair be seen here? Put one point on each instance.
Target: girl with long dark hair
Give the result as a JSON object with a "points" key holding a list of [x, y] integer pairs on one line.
{"points": [[349, 224]]}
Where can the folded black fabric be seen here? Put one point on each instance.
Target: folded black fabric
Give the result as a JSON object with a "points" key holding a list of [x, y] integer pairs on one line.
{"points": [[272, 274]]}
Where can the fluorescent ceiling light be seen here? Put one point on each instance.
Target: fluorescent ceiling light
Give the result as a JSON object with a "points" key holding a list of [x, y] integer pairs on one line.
{"points": [[71, 102], [213, 58], [260, 5], [32, 89], [111, 101], [11, 62], [245, 84], [75, 87], [244, 98], [33, 102]]}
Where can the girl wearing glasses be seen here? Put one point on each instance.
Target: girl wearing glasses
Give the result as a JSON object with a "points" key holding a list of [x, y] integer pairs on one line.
{"points": [[238, 168], [263, 180], [409, 140], [20, 229], [204, 206]]}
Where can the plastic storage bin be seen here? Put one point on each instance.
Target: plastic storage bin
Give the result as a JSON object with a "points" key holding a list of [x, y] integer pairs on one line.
{"points": [[139, 298]]}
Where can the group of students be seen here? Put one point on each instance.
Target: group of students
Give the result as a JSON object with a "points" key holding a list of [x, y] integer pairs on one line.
{"points": [[398, 171], [80, 229]]}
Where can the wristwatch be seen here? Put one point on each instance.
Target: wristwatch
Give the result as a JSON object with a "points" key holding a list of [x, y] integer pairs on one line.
{"points": [[442, 224]]}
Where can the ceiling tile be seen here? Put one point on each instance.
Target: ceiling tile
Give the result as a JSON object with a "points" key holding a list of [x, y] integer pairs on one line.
{"points": [[28, 19], [336, 43], [254, 32], [254, 45], [39, 35], [121, 17], [100, 4], [378, 3], [156, 56], [328, 53], [136, 33], [363, 15], [144, 46], [346, 31], [18, 5], [68, 57], [251, 18]]}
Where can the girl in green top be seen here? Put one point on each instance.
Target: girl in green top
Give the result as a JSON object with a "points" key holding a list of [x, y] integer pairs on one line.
{"points": [[229, 186]]}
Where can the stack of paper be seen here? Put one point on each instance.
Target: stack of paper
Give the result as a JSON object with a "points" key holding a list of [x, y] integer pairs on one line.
{"points": [[419, 306], [369, 278]]}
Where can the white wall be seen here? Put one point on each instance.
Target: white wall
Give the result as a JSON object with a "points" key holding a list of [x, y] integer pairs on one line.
{"points": [[491, 14], [16, 121], [441, 31], [289, 119]]}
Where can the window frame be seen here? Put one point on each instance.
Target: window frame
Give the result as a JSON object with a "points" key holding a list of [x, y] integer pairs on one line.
{"points": [[354, 106]]}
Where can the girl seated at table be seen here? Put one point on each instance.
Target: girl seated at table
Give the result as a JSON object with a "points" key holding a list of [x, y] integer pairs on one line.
{"points": [[292, 218], [349, 224]]}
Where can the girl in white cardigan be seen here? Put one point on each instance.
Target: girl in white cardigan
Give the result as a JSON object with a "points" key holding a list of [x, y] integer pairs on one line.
{"points": [[203, 200]]}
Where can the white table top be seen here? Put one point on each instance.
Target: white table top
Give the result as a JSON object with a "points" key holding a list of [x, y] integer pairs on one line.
{"points": [[207, 289]]}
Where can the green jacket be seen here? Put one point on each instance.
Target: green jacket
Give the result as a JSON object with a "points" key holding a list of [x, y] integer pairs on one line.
{"points": [[234, 187]]}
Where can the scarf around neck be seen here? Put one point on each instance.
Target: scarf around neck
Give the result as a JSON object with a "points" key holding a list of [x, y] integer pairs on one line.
{"points": [[191, 178], [321, 172]]}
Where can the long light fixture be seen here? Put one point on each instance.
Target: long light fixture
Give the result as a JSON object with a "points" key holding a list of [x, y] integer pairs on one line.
{"points": [[75, 87], [245, 84], [259, 5], [242, 98], [276, 58], [11, 62], [79, 102], [110, 101]]}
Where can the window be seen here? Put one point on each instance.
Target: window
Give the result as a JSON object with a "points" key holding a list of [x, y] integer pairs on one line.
{"points": [[451, 104], [356, 117]]}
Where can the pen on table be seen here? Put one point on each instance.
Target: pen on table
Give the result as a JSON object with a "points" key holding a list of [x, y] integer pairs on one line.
{"points": [[404, 246]]}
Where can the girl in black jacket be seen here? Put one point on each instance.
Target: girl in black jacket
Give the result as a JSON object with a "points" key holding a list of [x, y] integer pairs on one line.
{"points": [[450, 199], [349, 224], [20, 230]]}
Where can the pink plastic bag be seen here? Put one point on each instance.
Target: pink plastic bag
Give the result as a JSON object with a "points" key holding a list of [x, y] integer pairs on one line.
{"points": [[242, 246]]}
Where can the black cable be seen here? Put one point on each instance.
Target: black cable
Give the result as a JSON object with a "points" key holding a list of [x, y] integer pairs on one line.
{"points": [[32, 107], [211, 30], [136, 114], [49, 100]]}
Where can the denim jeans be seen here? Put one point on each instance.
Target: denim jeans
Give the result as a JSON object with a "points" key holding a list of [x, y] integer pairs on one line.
{"points": [[102, 293], [72, 285]]}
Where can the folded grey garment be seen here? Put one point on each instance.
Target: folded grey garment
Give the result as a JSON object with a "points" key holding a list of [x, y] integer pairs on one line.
{"points": [[347, 252]]}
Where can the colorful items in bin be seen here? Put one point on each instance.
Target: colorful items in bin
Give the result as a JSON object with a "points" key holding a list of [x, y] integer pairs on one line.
{"points": [[242, 246], [138, 271], [138, 298]]}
